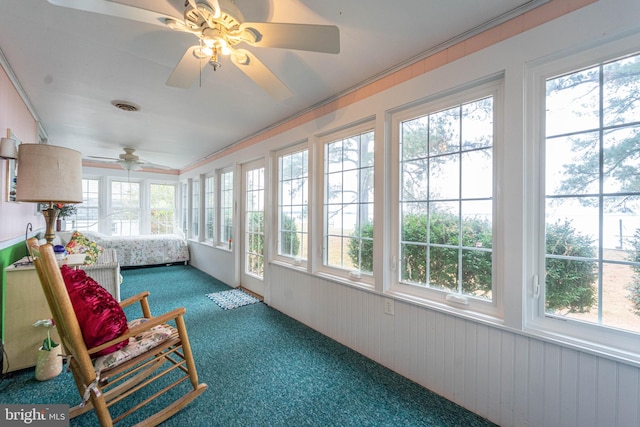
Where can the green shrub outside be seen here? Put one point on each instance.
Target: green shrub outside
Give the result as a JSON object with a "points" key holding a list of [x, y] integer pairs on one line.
{"points": [[570, 283]]}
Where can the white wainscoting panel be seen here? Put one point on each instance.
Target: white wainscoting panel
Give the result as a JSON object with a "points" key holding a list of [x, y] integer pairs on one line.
{"points": [[509, 378]]}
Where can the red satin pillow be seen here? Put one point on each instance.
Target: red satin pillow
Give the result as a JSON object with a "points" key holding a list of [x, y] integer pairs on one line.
{"points": [[100, 316]]}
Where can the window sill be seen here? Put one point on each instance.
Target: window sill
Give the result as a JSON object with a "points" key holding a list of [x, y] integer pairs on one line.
{"points": [[614, 354]]}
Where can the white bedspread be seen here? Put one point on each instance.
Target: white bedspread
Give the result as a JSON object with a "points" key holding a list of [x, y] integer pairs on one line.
{"points": [[144, 249]]}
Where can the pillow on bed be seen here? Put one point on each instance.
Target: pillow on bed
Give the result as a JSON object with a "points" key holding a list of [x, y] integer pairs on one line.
{"points": [[100, 316], [80, 244]]}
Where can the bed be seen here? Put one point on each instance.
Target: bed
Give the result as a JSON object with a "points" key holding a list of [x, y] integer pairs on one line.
{"points": [[133, 251]]}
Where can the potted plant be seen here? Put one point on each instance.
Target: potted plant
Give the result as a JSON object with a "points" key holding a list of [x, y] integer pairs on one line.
{"points": [[64, 211], [49, 364]]}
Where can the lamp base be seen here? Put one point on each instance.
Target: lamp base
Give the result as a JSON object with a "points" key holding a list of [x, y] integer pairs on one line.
{"points": [[50, 216]]}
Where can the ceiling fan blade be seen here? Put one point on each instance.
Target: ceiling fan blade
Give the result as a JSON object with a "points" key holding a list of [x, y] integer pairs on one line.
{"points": [[103, 158], [260, 74], [148, 165], [187, 70], [314, 38], [111, 8]]}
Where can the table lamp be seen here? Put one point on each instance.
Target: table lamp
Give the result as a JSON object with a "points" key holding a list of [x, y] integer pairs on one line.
{"points": [[49, 174]]}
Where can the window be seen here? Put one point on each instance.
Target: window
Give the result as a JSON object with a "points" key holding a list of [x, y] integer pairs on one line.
{"points": [[125, 208], [185, 207], [348, 202], [293, 204], [254, 188], [209, 209], [162, 208], [195, 209], [592, 197], [225, 218], [88, 214], [445, 208]]}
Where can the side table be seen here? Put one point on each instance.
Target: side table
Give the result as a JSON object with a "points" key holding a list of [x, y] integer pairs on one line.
{"points": [[25, 304]]}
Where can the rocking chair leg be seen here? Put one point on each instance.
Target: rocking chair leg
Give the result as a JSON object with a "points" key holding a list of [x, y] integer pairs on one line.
{"points": [[188, 356]]}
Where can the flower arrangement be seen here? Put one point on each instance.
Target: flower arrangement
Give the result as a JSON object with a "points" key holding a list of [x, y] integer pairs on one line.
{"points": [[65, 211], [48, 344]]}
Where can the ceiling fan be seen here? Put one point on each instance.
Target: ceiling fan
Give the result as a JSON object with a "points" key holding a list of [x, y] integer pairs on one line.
{"points": [[219, 26], [131, 162]]}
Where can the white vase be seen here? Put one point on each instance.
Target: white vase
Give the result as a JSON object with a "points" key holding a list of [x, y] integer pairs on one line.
{"points": [[49, 363]]}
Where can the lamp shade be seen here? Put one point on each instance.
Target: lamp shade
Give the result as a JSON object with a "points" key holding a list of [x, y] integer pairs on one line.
{"points": [[8, 148], [48, 173]]}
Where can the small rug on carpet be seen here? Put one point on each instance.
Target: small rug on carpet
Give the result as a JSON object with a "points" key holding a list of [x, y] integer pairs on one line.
{"points": [[232, 299]]}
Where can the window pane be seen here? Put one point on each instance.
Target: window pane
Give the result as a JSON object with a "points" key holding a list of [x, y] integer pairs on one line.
{"points": [[444, 177], [620, 172], [621, 84], [477, 124], [444, 132], [414, 138], [572, 102], [572, 164], [477, 174]]}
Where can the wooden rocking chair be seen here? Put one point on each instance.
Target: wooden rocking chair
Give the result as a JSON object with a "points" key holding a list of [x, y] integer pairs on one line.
{"points": [[114, 379]]}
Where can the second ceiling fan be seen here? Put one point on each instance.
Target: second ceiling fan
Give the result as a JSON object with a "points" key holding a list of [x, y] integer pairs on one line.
{"points": [[219, 27], [130, 161]]}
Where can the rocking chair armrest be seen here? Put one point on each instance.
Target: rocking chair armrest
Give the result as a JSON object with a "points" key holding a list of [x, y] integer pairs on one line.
{"points": [[150, 323], [144, 303], [134, 299]]}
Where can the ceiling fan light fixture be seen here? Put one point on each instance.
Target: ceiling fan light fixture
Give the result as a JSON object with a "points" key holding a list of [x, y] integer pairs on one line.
{"points": [[129, 166], [224, 48]]}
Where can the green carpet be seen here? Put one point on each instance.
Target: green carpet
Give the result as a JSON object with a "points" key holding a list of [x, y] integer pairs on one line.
{"points": [[262, 367]]}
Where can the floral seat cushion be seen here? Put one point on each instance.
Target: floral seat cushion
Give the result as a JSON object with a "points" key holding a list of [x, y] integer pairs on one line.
{"points": [[136, 346]]}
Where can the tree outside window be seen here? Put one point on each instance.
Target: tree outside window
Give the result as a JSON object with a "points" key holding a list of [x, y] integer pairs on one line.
{"points": [[348, 202], [293, 204], [446, 199]]}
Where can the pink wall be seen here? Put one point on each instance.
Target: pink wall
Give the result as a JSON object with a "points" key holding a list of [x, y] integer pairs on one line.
{"points": [[15, 115]]}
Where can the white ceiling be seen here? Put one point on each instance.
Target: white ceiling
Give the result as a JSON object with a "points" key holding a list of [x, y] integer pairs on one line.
{"points": [[72, 64]]}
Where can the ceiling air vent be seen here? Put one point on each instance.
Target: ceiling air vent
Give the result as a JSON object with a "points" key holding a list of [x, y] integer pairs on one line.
{"points": [[125, 106]]}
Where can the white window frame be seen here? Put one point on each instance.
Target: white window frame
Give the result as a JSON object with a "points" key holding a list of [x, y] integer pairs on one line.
{"points": [[582, 335], [474, 307], [357, 278], [293, 261]]}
